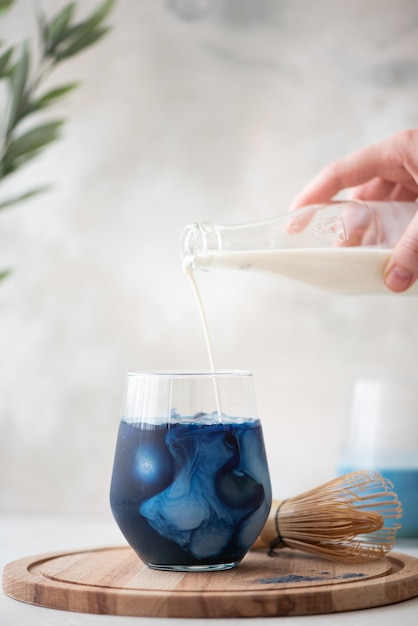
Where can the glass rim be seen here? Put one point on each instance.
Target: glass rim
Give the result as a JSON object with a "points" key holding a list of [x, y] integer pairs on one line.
{"points": [[198, 373]]}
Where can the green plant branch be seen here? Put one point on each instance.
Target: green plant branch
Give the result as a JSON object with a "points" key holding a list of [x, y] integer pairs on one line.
{"points": [[60, 38]]}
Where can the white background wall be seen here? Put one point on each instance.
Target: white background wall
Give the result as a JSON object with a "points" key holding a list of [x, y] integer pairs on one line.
{"points": [[220, 118]]}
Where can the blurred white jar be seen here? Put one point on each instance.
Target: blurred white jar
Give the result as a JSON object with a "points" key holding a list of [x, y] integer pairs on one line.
{"points": [[383, 435]]}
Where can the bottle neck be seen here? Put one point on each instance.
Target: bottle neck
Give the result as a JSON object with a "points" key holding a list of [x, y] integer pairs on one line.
{"points": [[199, 240]]}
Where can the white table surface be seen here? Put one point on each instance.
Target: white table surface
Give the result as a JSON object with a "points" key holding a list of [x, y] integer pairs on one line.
{"points": [[26, 536]]}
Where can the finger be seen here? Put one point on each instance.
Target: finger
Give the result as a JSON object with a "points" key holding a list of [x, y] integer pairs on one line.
{"points": [[351, 171], [393, 160], [402, 269], [375, 189], [358, 223], [300, 219], [400, 193], [380, 189], [322, 188]]}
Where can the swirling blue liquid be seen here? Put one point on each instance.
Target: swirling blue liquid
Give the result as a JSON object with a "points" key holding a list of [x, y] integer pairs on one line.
{"points": [[190, 493]]}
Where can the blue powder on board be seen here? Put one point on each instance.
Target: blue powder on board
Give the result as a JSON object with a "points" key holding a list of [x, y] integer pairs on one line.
{"points": [[289, 578], [297, 578]]}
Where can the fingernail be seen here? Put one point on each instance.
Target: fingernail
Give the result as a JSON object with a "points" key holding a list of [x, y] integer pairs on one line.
{"points": [[398, 278]]}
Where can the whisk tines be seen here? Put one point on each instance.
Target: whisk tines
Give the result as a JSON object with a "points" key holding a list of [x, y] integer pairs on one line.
{"points": [[349, 519]]}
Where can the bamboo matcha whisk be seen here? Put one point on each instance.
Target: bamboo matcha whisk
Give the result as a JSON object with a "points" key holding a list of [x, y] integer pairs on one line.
{"points": [[349, 519]]}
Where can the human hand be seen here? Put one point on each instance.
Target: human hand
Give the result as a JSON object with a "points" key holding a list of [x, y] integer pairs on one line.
{"points": [[388, 171]]}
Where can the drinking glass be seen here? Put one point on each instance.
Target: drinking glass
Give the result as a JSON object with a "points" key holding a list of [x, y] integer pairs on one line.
{"points": [[383, 436], [190, 487]]}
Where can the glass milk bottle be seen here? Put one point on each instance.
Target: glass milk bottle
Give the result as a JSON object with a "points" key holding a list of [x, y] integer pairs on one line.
{"points": [[341, 246]]}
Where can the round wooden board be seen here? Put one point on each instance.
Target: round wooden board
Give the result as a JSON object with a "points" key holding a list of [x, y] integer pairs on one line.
{"points": [[113, 581]]}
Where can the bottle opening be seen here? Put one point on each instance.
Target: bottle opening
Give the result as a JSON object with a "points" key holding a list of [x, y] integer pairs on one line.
{"points": [[191, 241], [199, 240]]}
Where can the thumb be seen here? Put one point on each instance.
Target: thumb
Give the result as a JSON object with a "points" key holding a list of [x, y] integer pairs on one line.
{"points": [[402, 269]]}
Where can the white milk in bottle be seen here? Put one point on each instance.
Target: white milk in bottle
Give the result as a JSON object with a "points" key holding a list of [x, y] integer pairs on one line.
{"points": [[341, 247]]}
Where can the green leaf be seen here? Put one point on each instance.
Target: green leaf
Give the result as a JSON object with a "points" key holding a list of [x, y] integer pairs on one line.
{"points": [[17, 83], [4, 274], [97, 16], [7, 168], [34, 139], [86, 39], [54, 30], [81, 35], [5, 58], [50, 97], [61, 39], [41, 21], [24, 196], [28, 145], [5, 5]]}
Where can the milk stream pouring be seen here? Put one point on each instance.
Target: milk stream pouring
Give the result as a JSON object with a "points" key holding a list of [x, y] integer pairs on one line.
{"points": [[341, 247]]}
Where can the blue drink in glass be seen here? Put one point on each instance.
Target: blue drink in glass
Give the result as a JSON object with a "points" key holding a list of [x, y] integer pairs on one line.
{"points": [[193, 492]]}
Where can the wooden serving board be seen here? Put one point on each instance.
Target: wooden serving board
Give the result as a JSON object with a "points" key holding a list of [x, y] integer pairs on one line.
{"points": [[113, 581]]}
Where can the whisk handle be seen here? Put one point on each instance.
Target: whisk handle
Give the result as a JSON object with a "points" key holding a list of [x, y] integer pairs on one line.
{"points": [[269, 532]]}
